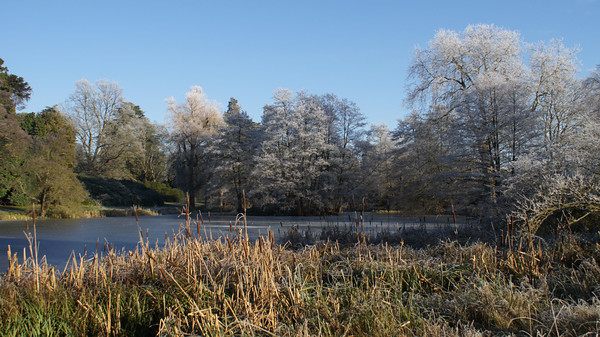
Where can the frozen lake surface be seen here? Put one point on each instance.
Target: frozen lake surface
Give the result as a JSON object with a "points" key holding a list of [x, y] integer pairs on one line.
{"points": [[59, 238]]}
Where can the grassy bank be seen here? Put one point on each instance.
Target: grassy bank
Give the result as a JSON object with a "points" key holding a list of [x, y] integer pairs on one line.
{"points": [[13, 213], [232, 286], [24, 213], [115, 212]]}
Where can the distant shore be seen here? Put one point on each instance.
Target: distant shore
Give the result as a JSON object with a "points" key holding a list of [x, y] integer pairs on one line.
{"points": [[21, 213]]}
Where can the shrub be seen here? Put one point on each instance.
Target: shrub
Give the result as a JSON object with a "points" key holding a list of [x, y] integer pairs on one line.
{"points": [[166, 192], [561, 201]]}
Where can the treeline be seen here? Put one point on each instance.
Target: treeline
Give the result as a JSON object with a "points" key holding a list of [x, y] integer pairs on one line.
{"points": [[303, 158], [500, 126], [496, 125], [111, 156]]}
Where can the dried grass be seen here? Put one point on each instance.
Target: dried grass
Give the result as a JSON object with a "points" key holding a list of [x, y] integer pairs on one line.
{"points": [[234, 286]]}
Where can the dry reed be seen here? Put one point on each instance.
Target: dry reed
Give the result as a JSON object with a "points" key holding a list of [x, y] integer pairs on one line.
{"points": [[234, 286]]}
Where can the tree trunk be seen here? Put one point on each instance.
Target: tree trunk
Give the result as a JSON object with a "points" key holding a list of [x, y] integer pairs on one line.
{"points": [[43, 204], [239, 206], [192, 198]]}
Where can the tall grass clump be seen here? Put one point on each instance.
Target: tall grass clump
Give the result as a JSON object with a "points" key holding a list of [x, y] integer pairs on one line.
{"points": [[194, 285]]}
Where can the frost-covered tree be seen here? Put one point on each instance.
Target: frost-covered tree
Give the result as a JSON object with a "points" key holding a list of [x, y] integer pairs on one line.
{"points": [[378, 172], [275, 163], [423, 164], [564, 121], [291, 164], [193, 126], [466, 84], [557, 92], [146, 160], [454, 63], [105, 126], [128, 133], [309, 156], [345, 134], [560, 192], [490, 105], [592, 92], [234, 153]]}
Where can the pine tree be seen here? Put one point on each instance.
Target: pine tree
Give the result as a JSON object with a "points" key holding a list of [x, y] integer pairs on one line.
{"points": [[234, 153]]}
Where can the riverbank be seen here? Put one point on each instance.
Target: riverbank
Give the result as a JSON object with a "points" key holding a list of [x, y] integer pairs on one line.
{"points": [[13, 213], [233, 286], [25, 213]]}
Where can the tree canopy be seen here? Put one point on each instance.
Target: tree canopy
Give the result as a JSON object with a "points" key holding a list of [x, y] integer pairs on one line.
{"points": [[14, 91]]}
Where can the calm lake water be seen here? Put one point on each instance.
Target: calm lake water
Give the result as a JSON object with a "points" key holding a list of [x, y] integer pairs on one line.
{"points": [[58, 239]]}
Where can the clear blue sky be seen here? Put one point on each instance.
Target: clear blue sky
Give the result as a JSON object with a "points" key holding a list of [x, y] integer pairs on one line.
{"points": [[359, 50]]}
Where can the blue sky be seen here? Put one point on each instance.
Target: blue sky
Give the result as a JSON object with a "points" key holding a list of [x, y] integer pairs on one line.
{"points": [[359, 50]]}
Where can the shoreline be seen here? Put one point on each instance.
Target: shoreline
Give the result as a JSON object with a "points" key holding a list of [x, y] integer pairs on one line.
{"points": [[14, 213]]}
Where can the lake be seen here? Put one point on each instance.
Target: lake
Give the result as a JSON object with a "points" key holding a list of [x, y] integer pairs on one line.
{"points": [[59, 238]]}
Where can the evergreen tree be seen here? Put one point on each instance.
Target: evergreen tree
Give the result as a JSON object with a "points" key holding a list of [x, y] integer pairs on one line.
{"points": [[145, 157], [14, 145], [234, 152], [14, 142], [14, 91], [51, 160]]}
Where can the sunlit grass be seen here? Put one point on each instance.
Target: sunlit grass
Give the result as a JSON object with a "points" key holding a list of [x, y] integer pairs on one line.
{"points": [[24, 212], [116, 212], [14, 212], [234, 286]]}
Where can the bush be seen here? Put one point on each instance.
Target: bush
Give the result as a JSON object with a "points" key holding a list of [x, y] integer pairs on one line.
{"points": [[166, 192], [561, 201], [16, 198], [63, 212]]}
